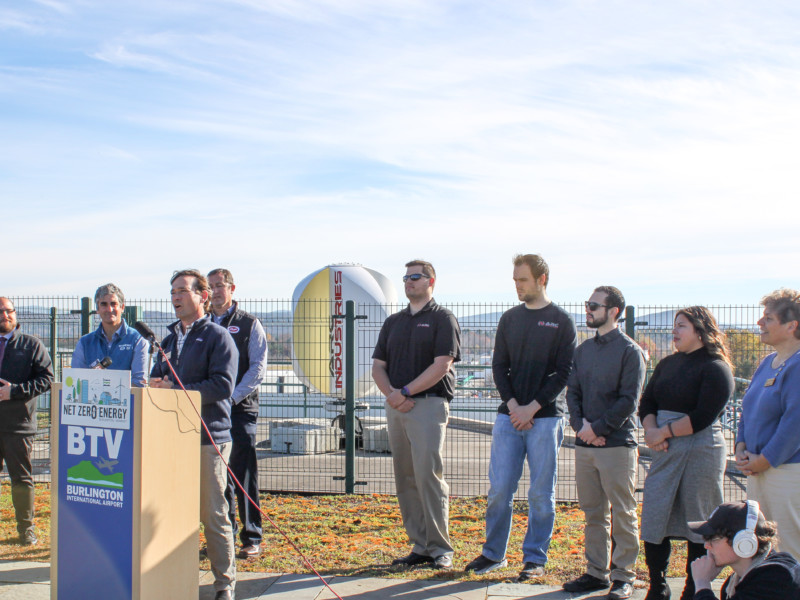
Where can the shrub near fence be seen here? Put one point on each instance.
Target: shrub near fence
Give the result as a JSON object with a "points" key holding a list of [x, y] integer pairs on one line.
{"points": [[284, 398]]}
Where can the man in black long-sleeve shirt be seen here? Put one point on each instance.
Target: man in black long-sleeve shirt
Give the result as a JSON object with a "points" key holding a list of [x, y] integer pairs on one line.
{"points": [[533, 351]]}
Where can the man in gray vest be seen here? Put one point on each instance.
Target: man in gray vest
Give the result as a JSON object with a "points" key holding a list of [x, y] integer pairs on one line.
{"points": [[602, 394], [251, 341]]}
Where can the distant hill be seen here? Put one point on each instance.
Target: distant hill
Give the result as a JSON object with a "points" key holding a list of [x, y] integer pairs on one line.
{"points": [[86, 472]]}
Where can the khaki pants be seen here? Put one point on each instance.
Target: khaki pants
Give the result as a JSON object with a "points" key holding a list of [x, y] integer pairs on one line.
{"points": [[417, 440], [777, 490], [214, 515], [606, 479]]}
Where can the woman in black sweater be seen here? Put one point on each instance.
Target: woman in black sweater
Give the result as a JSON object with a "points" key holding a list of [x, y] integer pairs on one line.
{"points": [[679, 411]]}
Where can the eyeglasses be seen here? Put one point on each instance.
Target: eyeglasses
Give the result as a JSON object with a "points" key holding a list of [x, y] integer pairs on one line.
{"points": [[593, 306], [415, 277], [7, 311]]}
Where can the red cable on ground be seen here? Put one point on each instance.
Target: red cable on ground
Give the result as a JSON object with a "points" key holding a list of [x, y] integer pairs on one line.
{"points": [[239, 485]]}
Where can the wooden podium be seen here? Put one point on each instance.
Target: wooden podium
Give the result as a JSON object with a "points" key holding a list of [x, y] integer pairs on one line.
{"points": [[140, 540]]}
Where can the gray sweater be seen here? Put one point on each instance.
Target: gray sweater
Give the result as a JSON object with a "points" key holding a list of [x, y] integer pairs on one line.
{"points": [[604, 387]]}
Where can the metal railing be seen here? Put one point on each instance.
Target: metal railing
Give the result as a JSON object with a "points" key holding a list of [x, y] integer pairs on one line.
{"points": [[286, 398]]}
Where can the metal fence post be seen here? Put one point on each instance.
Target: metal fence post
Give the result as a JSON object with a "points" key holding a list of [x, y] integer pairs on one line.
{"points": [[132, 314], [54, 340], [350, 397], [630, 321], [86, 311]]}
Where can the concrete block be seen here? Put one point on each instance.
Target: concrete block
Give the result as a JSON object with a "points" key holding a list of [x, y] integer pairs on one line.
{"points": [[376, 439], [305, 439]]}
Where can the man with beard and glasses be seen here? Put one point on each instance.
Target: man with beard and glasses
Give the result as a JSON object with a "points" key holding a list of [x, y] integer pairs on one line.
{"points": [[533, 351], [25, 372], [602, 394]]}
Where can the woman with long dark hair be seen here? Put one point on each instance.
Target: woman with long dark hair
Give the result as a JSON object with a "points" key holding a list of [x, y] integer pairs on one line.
{"points": [[680, 410], [768, 442]]}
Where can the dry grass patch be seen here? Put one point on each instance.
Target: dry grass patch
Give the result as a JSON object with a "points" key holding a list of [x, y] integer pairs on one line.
{"points": [[361, 535]]}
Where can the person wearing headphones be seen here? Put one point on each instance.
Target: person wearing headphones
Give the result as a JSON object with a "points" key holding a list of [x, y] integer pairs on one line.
{"points": [[737, 535]]}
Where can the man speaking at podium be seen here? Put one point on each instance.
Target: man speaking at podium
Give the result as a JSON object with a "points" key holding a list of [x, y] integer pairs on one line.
{"points": [[126, 348], [205, 358]]}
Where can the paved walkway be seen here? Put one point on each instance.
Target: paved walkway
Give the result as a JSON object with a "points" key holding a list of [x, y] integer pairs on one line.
{"points": [[31, 581]]}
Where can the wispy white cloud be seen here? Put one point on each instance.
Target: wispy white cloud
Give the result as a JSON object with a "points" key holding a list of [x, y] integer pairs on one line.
{"points": [[647, 143]]}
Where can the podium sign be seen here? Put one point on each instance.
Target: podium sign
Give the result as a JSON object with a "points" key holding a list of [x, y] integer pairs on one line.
{"points": [[125, 489], [95, 484]]}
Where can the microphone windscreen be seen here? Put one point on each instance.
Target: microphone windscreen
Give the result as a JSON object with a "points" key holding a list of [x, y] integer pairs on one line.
{"points": [[145, 331]]}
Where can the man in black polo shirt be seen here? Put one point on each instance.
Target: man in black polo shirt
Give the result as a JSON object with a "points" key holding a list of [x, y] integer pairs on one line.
{"points": [[251, 342], [413, 367]]}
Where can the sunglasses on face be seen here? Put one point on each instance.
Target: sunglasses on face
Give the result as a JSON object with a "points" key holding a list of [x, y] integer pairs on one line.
{"points": [[415, 277], [593, 306]]}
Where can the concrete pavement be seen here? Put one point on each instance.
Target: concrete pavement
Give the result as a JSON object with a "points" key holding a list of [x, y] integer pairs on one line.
{"points": [[31, 581]]}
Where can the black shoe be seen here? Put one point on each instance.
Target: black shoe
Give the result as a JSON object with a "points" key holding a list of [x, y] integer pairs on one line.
{"points": [[413, 560], [585, 583], [620, 590], [443, 562], [224, 595], [530, 571], [658, 591], [28, 538], [482, 565]]}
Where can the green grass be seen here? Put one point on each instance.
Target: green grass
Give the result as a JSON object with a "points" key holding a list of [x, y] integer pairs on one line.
{"points": [[360, 535]]}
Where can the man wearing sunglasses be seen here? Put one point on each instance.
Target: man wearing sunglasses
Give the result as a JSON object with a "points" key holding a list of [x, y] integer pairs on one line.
{"points": [[602, 394], [413, 367], [25, 372], [532, 359]]}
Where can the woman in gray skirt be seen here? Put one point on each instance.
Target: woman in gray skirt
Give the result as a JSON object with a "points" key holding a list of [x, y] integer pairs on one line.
{"points": [[679, 411]]}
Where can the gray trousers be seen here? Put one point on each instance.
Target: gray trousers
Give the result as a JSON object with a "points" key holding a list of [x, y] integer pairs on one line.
{"points": [[214, 515], [606, 479], [15, 451], [417, 440]]}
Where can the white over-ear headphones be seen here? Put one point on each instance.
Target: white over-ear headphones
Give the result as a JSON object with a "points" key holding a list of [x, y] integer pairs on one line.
{"points": [[745, 542]]}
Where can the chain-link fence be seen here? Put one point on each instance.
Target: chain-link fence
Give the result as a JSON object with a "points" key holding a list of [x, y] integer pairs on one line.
{"points": [[300, 439]]}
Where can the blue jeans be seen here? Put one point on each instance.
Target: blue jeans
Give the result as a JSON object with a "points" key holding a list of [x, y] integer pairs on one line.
{"points": [[509, 448]]}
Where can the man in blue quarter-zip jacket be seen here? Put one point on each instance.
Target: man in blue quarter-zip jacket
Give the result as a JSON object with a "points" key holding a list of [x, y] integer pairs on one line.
{"points": [[205, 358], [113, 338]]}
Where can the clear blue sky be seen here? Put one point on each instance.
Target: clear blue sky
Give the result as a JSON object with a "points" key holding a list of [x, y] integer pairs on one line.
{"points": [[648, 145]]}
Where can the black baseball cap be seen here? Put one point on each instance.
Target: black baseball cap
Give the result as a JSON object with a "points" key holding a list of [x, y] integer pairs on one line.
{"points": [[730, 516]]}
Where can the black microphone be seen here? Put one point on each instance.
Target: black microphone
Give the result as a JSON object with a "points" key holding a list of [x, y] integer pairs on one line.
{"points": [[101, 363], [145, 332]]}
